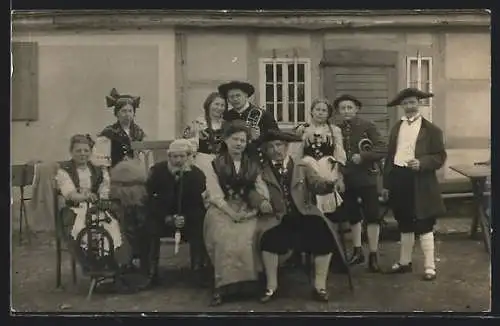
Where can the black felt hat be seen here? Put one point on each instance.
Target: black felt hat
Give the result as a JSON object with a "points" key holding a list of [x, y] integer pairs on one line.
{"points": [[243, 86], [346, 97], [409, 92], [276, 134]]}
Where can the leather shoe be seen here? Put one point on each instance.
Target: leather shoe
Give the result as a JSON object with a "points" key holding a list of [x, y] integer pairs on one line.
{"points": [[397, 268], [268, 296], [216, 299], [429, 275], [357, 257], [373, 266], [320, 295]]}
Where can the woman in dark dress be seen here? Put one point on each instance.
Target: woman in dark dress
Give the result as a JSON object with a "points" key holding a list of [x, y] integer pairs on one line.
{"points": [[124, 131], [127, 174]]}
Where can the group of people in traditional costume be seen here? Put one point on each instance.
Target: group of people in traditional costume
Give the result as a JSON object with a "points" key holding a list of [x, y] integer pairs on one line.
{"points": [[245, 204]]}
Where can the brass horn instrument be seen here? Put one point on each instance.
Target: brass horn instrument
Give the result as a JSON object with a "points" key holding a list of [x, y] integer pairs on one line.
{"points": [[254, 117], [366, 145]]}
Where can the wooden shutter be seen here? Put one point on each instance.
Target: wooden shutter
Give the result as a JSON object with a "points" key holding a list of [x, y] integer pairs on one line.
{"points": [[368, 84], [369, 75], [24, 81]]}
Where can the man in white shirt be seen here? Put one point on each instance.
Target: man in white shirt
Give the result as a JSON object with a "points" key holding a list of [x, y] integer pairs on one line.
{"points": [[415, 152]]}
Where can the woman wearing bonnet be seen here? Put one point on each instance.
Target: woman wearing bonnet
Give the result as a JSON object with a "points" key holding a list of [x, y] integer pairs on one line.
{"points": [[128, 176], [124, 131]]}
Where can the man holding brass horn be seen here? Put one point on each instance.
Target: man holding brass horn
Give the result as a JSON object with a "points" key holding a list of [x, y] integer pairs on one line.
{"points": [[258, 120], [364, 147]]}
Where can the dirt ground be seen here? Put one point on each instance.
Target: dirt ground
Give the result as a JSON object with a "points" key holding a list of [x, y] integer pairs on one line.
{"points": [[463, 285]]}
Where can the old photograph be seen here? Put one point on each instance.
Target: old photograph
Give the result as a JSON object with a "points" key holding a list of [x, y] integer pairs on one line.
{"points": [[314, 161]]}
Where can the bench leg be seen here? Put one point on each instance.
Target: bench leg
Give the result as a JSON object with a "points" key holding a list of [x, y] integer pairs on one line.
{"points": [[480, 216], [473, 226], [475, 219], [58, 262], [93, 284], [485, 228], [21, 213], [349, 279], [26, 224], [73, 269]]}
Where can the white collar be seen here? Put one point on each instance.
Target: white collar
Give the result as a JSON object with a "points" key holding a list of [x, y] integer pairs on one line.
{"points": [[285, 161], [246, 106], [174, 170], [416, 117]]}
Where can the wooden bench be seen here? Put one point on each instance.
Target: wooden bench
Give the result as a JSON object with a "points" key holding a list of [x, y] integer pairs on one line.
{"points": [[158, 149], [479, 174], [456, 189]]}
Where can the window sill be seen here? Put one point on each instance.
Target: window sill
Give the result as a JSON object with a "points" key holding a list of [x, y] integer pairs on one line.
{"points": [[25, 121]]}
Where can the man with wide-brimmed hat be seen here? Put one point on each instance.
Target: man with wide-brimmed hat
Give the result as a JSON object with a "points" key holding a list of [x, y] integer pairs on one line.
{"points": [[237, 94], [360, 177], [175, 190], [302, 226], [415, 152]]}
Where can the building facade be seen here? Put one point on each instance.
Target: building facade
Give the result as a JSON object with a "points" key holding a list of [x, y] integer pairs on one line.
{"points": [[68, 62]]}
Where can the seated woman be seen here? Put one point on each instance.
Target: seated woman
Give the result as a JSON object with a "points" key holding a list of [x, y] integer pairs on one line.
{"points": [[81, 184], [206, 131], [323, 149], [235, 195]]}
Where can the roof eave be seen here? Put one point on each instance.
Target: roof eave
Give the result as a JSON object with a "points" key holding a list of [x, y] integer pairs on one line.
{"points": [[24, 21]]}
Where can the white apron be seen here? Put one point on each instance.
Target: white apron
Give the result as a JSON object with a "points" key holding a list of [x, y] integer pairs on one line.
{"points": [[328, 168]]}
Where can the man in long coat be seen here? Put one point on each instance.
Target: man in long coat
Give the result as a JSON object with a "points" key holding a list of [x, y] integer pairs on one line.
{"points": [[415, 152], [175, 190], [292, 188]]}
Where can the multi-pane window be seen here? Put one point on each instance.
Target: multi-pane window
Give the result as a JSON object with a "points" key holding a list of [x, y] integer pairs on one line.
{"points": [[285, 89], [419, 75]]}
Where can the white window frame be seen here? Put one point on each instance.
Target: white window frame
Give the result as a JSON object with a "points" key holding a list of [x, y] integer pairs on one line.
{"points": [[427, 109], [307, 87]]}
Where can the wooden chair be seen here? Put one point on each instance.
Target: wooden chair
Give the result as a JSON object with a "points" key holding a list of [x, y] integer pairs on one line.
{"points": [[157, 148], [22, 176], [61, 228]]}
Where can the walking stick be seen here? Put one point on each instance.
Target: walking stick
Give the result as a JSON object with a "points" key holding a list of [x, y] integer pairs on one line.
{"points": [[177, 235]]}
